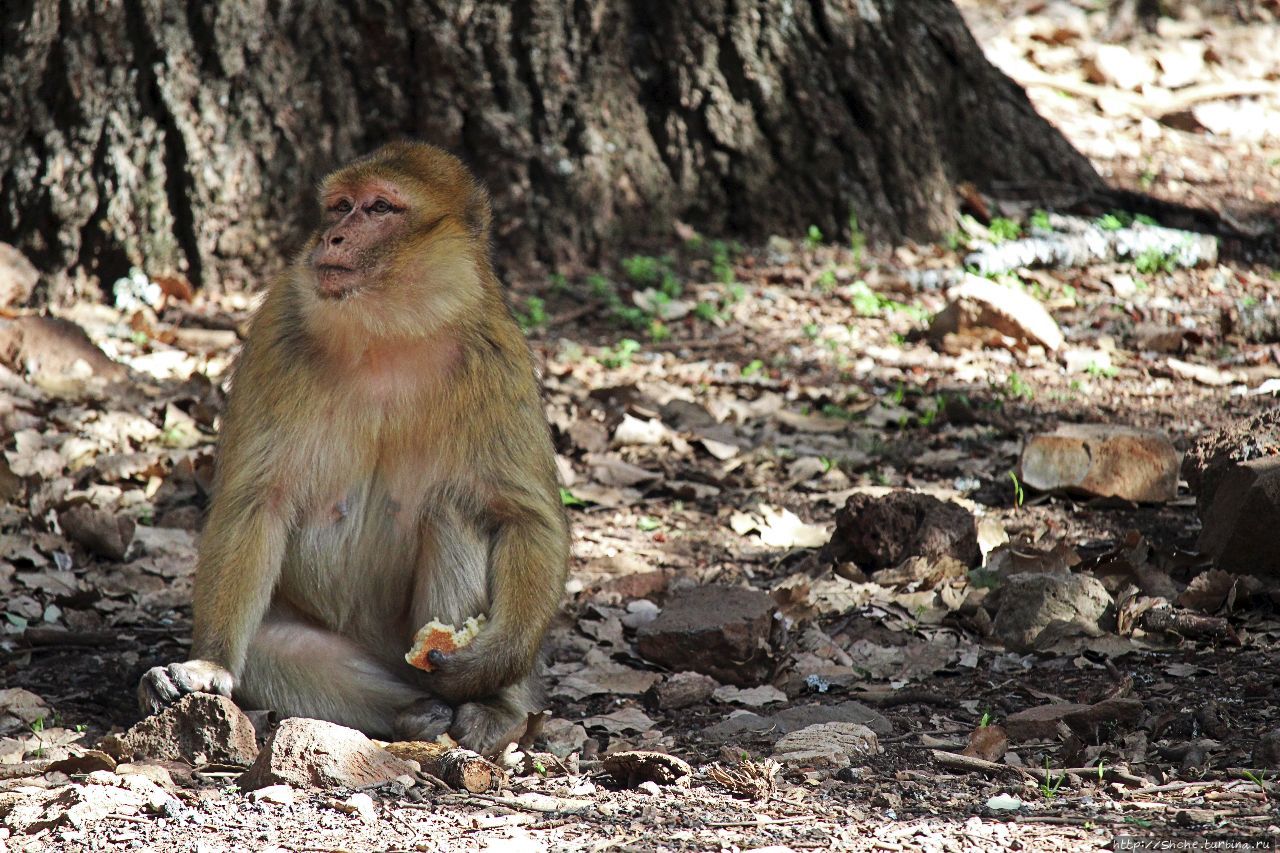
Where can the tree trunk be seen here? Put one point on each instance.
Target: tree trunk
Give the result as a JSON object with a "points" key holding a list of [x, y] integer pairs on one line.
{"points": [[186, 137]]}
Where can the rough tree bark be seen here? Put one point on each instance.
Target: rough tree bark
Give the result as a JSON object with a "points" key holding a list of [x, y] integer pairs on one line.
{"points": [[180, 137]]}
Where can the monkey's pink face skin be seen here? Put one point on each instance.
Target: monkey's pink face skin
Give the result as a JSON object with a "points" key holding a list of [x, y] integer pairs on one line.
{"points": [[362, 224]]}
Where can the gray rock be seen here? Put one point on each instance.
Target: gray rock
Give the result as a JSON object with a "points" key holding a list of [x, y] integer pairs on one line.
{"points": [[826, 745], [682, 689], [727, 632], [308, 753], [791, 719], [1039, 607]]}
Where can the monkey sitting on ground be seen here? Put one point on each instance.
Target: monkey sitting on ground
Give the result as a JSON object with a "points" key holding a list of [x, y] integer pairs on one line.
{"points": [[384, 462]]}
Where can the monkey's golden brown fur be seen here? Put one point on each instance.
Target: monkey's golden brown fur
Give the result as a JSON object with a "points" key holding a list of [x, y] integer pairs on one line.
{"points": [[384, 461]]}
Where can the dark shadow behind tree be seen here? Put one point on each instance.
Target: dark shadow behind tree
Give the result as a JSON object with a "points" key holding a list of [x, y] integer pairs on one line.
{"points": [[185, 137]]}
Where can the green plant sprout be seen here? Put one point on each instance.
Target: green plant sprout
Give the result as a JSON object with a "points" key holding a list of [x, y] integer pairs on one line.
{"points": [[1019, 495]]}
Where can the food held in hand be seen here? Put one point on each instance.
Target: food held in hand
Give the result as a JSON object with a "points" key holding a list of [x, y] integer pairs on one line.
{"points": [[442, 637]]}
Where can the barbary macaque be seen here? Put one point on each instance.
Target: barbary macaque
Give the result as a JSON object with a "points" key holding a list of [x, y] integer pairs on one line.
{"points": [[384, 462]]}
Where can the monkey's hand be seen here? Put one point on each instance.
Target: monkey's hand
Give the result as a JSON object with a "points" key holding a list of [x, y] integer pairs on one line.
{"points": [[161, 686], [472, 672]]}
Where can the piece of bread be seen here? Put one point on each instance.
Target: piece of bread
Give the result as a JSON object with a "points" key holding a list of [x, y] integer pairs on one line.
{"points": [[437, 635]]}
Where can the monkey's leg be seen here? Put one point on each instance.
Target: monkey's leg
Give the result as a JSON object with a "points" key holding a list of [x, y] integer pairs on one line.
{"points": [[297, 669]]}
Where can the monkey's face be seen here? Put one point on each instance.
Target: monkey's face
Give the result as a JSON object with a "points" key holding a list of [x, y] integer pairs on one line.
{"points": [[402, 249], [362, 223]]}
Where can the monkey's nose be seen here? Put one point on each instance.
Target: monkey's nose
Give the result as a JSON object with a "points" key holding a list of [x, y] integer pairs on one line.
{"points": [[336, 240]]}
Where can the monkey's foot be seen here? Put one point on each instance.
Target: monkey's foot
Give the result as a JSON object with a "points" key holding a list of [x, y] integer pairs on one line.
{"points": [[425, 719], [161, 686], [487, 727]]}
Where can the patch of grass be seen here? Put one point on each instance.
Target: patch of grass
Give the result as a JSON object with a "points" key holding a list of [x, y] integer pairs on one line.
{"points": [[1151, 261], [813, 237], [706, 311], [1040, 220], [1015, 387], [1003, 229], [811, 330], [826, 280], [1112, 221], [559, 283], [956, 241], [620, 355], [1049, 787], [722, 261], [600, 287], [568, 498], [646, 271], [1101, 371], [857, 240], [752, 369], [534, 316]]}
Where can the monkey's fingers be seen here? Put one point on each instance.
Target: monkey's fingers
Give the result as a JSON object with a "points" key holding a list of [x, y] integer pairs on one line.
{"points": [[161, 686], [156, 690]]}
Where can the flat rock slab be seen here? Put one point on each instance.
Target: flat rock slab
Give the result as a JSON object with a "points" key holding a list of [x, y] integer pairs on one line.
{"points": [[826, 745], [199, 729], [635, 767], [1104, 461], [1044, 721], [727, 632], [792, 719], [978, 305], [1036, 610], [309, 753], [883, 532]]}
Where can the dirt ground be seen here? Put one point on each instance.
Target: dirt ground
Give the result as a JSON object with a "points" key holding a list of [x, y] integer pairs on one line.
{"points": [[712, 409]]}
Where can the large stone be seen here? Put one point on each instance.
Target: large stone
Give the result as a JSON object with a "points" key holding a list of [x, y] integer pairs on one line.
{"points": [[56, 353], [101, 532], [978, 304], [798, 717], [200, 728], [1235, 473], [1036, 608], [882, 532], [728, 632], [18, 277], [1103, 460], [826, 745], [308, 753]]}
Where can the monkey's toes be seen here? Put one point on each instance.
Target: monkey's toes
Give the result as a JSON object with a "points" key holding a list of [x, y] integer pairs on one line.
{"points": [[425, 719]]}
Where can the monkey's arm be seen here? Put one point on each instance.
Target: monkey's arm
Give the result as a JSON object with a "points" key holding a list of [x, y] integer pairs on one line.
{"points": [[527, 565]]}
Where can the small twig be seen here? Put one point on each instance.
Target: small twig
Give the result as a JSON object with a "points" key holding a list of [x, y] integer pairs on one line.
{"points": [[970, 764], [725, 824]]}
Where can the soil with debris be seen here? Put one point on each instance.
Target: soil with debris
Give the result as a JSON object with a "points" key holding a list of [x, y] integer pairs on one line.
{"points": [[812, 567]]}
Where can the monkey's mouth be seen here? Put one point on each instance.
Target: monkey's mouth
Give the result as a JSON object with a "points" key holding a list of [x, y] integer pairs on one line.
{"points": [[334, 281]]}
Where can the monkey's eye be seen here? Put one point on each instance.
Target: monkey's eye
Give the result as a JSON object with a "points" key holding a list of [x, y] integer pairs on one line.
{"points": [[343, 206], [380, 206]]}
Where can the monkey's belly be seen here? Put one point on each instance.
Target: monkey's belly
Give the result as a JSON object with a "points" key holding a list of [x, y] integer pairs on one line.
{"points": [[374, 570], [352, 569]]}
